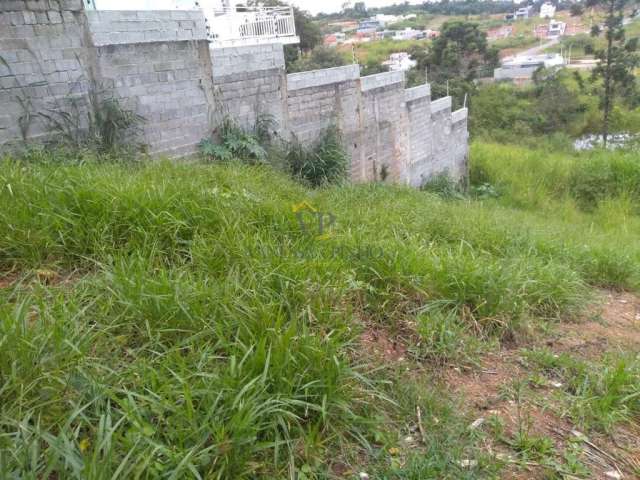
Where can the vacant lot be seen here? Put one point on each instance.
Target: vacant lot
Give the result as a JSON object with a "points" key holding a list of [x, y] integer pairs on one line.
{"points": [[194, 321]]}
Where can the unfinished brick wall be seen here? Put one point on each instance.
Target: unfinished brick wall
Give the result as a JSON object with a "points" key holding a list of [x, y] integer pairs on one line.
{"points": [[327, 98], [392, 133], [43, 58], [385, 127], [157, 64], [418, 104], [59, 61], [249, 84]]}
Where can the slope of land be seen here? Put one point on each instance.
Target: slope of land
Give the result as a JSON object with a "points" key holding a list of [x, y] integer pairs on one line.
{"points": [[196, 321]]}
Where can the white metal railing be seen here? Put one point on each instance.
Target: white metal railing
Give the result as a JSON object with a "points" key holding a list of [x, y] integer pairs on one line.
{"points": [[248, 25]]}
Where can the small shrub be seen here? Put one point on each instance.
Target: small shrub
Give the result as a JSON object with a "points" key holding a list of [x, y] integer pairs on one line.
{"points": [[234, 142], [324, 163], [484, 190], [444, 186]]}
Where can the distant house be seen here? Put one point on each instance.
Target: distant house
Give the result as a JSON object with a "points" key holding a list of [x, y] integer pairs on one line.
{"points": [[368, 27], [556, 29], [330, 40], [520, 69], [333, 39], [522, 13], [547, 10], [400, 62], [385, 20], [409, 34]]}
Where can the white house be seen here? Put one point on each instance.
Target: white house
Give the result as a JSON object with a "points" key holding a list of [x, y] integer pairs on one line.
{"points": [[226, 25], [547, 10], [408, 34], [556, 29], [400, 61]]}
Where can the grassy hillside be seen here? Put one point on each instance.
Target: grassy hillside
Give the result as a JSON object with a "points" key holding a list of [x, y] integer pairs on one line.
{"points": [[177, 321]]}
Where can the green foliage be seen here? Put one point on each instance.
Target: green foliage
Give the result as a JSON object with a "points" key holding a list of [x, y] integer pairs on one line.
{"points": [[195, 331], [529, 178], [444, 186], [456, 58], [319, 57], [618, 60], [111, 129], [322, 164], [461, 51], [559, 103], [576, 9], [235, 143]]}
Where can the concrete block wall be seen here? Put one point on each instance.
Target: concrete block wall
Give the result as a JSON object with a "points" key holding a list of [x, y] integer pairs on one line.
{"points": [[157, 64], [392, 133], [166, 84], [441, 133], [418, 104], [319, 99], [56, 57], [59, 56], [110, 27], [43, 60], [385, 127], [250, 82], [459, 144]]}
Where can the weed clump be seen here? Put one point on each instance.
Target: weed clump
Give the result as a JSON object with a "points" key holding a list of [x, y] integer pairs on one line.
{"points": [[324, 163]]}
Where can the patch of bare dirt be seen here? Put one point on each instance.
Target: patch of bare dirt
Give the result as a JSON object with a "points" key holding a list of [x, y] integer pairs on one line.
{"points": [[41, 276], [8, 279], [613, 323], [378, 343]]}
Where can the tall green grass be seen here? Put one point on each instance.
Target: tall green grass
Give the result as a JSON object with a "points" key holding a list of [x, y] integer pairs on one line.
{"points": [[203, 334]]}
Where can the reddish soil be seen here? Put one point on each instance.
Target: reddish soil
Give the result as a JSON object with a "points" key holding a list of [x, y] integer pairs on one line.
{"points": [[612, 324]]}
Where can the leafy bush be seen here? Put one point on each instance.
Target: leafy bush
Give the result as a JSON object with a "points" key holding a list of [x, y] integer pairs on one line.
{"points": [[234, 142], [319, 57], [444, 186], [598, 178], [323, 163]]}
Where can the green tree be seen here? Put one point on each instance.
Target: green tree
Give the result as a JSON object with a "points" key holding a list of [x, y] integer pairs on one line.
{"points": [[319, 57], [617, 60], [308, 31], [556, 105], [456, 58], [461, 51], [576, 10], [360, 8]]}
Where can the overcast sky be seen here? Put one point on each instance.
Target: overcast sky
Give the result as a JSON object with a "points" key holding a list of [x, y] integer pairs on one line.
{"points": [[328, 6], [313, 6]]}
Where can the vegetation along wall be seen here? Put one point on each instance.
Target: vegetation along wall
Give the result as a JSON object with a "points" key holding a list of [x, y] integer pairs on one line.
{"points": [[59, 62]]}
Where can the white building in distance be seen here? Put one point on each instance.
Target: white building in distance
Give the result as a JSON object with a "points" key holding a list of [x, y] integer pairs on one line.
{"points": [[547, 10], [400, 62]]}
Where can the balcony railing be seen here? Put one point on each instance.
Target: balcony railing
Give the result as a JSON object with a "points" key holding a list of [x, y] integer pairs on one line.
{"points": [[250, 25]]}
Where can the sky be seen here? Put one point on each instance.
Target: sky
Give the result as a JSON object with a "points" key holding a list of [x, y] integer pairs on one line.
{"points": [[313, 6], [329, 6]]}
